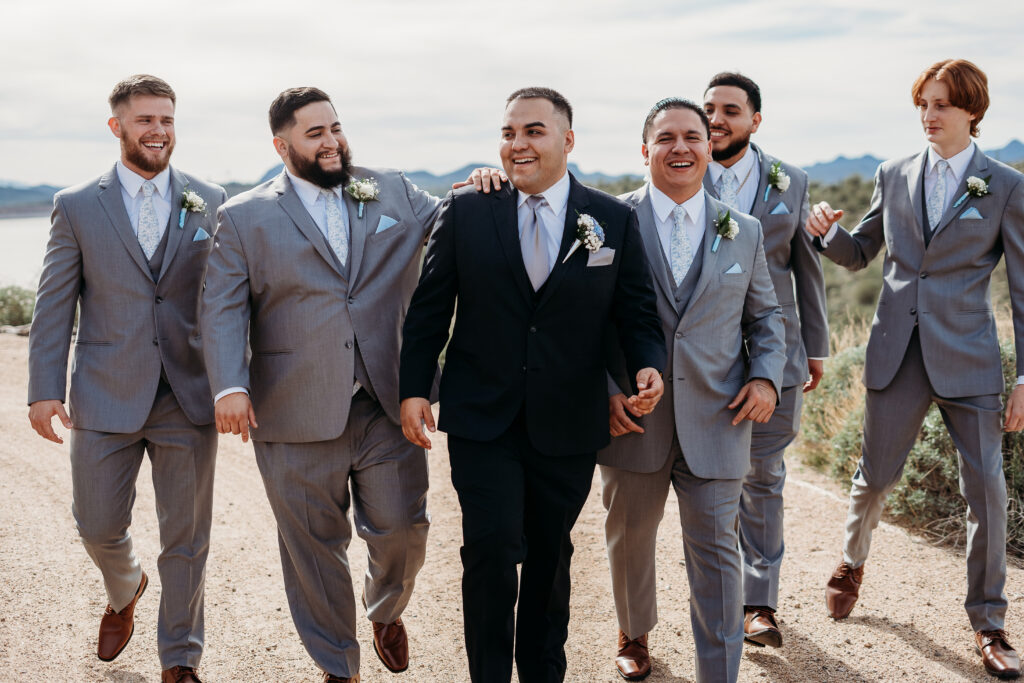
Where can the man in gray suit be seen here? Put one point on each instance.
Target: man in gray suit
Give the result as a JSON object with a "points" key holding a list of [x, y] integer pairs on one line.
{"points": [[945, 216], [129, 249], [315, 273], [747, 179], [714, 292]]}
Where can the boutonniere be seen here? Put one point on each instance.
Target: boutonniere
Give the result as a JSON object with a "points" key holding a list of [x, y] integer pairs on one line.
{"points": [[191, 202], [976, 187], [363, 190], [777, 178], [727, 227], [589, 233]]}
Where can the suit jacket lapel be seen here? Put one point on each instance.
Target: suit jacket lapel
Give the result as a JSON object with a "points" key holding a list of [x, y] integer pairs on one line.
{"points": [[506, 222], [764, 164], [915, 186], [359, 229], [652, 243], [113, 204], [174, 233], [710, 267], [977, 167], [579, 200], [709, 186], [292, 205]]}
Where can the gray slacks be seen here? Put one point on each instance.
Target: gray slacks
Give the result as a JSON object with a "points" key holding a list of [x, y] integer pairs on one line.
{"points": [[104, 469], [308, 485], [761, 513], [708, 510], [892, 421]]}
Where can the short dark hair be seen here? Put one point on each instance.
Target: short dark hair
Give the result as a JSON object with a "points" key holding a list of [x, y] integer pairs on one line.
{"points": [[556, 99], [284, 106], [675, 103], [738, 80], [139, 84]]}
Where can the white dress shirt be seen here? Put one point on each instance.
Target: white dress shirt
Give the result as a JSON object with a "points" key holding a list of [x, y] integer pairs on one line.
{"points": [[748, 163], [694, 223], [552, 215], [131, 193]]}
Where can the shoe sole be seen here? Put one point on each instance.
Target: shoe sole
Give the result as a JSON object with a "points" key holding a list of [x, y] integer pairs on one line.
{"points": [[129, 639], [762, 638], [632, 678], [386, 665], [1002, 675]]}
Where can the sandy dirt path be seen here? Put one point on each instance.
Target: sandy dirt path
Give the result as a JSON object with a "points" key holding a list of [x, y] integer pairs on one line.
{"points": [[909, 625]]}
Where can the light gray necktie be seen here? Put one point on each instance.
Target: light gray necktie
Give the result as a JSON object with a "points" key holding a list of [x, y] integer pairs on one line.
{"points": [[533, 244], [681, 251], [337, 235], [937, 198], [149, 225], [728, 188]]}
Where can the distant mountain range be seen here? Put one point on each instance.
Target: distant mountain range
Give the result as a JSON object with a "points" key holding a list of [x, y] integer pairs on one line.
{"points": [[19, 199]]}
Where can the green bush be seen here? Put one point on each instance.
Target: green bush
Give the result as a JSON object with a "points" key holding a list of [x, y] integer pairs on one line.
{"points": [[16, 304], [928, 496]]}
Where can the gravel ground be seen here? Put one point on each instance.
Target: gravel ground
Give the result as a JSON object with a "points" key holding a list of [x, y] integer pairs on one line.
{"points": [[909, 625]]}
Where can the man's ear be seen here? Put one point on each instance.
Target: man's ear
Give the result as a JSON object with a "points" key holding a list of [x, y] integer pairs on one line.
{"points": [[570, 140], [757, 122], [115, 126], [281, 147]]}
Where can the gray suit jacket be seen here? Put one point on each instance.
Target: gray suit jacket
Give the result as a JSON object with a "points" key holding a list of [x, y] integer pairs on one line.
{"points": [[731, 331], [793, 263], [944, 289], [129, 326], [274, 283]]}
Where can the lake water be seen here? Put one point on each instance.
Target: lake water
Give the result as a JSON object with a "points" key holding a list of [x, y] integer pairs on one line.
{"points": [[22, 247]]}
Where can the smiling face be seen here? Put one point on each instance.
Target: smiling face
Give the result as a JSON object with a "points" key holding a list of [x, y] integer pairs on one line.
{"points": [[677, 151], [145, 126], [314, 148], [947, 128], [733, 120], [535, 144]]}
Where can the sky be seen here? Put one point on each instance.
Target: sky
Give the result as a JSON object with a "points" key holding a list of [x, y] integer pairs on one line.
{"points": [[421, 84]]}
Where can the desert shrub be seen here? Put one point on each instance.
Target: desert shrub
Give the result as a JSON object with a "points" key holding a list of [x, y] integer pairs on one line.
{"points": [[16, 305]]}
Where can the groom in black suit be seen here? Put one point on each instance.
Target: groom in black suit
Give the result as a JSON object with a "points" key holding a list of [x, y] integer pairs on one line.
{"points": [[524, 392]]}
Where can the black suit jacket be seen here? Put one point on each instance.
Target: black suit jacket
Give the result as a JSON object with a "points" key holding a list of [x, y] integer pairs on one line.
{"points": [[512, 349]]}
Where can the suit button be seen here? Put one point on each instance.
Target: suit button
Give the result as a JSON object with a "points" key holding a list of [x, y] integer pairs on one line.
{"points": [[532, 329], [348, 344], [524, 368], [156, 343], [159, 299], [913, 311], [924, 274], [351, 300], [679, 335]]}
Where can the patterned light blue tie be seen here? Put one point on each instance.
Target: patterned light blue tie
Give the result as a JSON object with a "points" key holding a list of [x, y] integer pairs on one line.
{"points": [[937, 198], [532, 243], [681, 251], [728, 188], [337, 235], [149, 225]]}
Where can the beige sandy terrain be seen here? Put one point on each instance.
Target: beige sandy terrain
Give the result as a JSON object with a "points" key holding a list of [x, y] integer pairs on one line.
{"points": [[909, 626]]}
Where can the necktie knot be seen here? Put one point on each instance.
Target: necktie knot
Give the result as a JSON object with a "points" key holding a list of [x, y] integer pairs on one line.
{"points": [[536, 201], [679, 214], [148, 188]]}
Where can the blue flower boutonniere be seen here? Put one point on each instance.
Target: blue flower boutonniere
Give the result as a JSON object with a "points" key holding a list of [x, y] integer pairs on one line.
{"points": [[589, 233]]}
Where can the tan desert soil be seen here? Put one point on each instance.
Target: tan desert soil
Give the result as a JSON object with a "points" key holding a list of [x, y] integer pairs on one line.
{"points": [[909, 625]]}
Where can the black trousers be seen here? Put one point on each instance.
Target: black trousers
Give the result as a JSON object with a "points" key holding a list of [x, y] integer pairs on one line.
{"points": [[518, 506]]}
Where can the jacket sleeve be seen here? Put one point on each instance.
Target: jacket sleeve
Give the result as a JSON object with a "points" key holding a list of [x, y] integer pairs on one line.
{"points": [[763, 326], [856, 250], [810, 287]]}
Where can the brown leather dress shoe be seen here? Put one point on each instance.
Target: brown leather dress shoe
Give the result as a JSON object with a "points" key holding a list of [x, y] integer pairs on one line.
{"points": [[842, 590], [998, 656], [116, 628], [392, 645], [331, 678], [179, 674], [633, 662], [760, 627]]}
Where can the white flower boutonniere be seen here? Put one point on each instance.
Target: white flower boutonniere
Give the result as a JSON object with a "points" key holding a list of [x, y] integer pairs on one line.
{"points": [[976, 187], [777, 178], [363, 190], [589, 233], [191, 202], [727, 227]]}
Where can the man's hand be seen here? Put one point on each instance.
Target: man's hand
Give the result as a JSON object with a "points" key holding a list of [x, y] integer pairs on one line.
{"points": [[816, 370], [650, 386], [619, 422], [821, 218], [483, 178], [415, 414], [234, 415], [41, 413], [758, 399], [1014, 410]]}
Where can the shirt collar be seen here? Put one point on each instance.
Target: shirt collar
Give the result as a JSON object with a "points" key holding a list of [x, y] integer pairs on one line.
{"points": [[663, 204], [307, 191], [557, 196], [957, 163], [132, 182], [740, 168]]}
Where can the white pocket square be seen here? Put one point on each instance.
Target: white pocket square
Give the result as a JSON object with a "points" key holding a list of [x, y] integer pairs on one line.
{"points": [[200, 235], [780, 209], [602, 257], [384, 223], [971, 214], [734, 269]]}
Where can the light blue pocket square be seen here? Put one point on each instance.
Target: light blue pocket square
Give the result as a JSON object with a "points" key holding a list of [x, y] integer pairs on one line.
{"points": [[780, 209], [201, 235], [734, 269], [972, 214], [384, 223]]}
